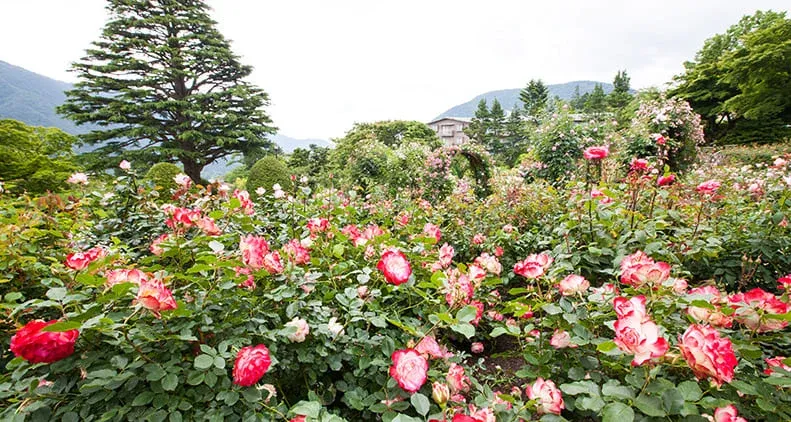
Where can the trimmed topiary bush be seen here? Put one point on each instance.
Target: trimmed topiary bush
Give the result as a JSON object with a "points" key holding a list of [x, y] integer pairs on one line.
{"points": [[267, 172], [162, 174]]}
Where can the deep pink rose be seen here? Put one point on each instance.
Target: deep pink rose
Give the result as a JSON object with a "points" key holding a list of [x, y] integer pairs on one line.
{"points": [[639, 165], [533, 266], [429, 346], [666, 180], [251, 364], [80, 260], [549, 398], [784, 283], [296, 253], [751, 306], [596, 153], [708, 187], [36, 346], [457, 380], [409, 369], [395, 267], [254, 250], [272, 263], [708, 354]]}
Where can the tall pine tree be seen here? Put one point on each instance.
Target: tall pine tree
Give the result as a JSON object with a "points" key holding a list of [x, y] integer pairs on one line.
{"points": [[620, 95], [480, 125], [534, 97], [164, 85]]}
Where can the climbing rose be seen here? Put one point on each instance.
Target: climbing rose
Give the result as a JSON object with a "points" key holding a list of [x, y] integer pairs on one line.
{"points": [[409, 369], [35, 346], [776, 362], [573, 284], [395, 267], [80, 260], [708, 354], [456, 379], [153, 295], [752, 305], [253, 249], [302, 330], [727, 414], [549, 398], [251, 364], [533, 266], [596, 153], [708, 187]]}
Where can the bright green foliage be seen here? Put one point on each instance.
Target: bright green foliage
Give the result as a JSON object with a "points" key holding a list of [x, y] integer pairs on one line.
{"points": [[310, 162], [514, 140], [739, 81], [597, 101], [267, 172], [35, 159], [164, 85], [534, 97], [162, 175]]}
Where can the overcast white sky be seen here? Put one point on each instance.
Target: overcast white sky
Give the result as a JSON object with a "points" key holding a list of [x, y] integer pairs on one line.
{"points": [[328, 64]]}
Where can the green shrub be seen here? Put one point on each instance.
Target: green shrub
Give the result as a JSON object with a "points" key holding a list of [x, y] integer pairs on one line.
{"points": [[162, 174], [267, 172]]}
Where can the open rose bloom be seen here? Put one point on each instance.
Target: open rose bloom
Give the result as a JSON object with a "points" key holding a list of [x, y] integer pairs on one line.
{"points": [[573, 284], [251, 364], [711, 295], [638, 270], [254, 250], [549, 398], [36, 346], [533, 266], [753, 306], [727, 414], [409, 369], [596, 153], [153, 295], [80, 260], [395, 267], [708, 354], [635, 333]]}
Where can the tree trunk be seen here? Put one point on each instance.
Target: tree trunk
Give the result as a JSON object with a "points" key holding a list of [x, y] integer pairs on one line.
{"points": [[192, 169]]}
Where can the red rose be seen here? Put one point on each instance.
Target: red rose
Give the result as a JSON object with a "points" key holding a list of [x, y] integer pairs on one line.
{"points": [[708, 354], [35, 346], [409, 369], [153, 295], [395, 267], [251, 364], [596, 153]]}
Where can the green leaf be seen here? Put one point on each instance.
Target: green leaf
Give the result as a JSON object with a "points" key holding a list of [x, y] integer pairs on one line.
{"points": [[337, 250], [606, 346], [57, 293], [617, 412], [552, 309], [611, 389], [690, 390], [651, 406], [421, 403], [464, 329], [673, 401], [467, 313], [143, 398], [62, 326], [204, 361], [580, 387], [170, 382], [307, 408]]}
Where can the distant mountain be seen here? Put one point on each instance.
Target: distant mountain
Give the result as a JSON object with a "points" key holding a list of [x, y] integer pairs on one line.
{"points": [[31, 98], [510, 97]]}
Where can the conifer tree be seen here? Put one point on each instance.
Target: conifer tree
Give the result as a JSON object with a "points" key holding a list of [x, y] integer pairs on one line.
{"points": [[620, 96], [534, 97], [481, 123], [163, 85]]}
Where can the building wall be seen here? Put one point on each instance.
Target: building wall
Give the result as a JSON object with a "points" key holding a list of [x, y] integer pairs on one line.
{"points": [[451, 131]]}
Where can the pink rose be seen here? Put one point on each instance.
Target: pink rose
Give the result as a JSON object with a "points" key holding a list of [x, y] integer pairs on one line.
{"points": [[395, 267], [409, 369], [708, 187], [573, 284], [533, 266], [776, 362], [182, 180], [254, 249], [251, 364], [429, 346], [272, 263], [301, 327], [714, 317], [36, 346], [153, 295], [457, 380], [155, 248], [596, 153], [639, 164], [560, 339], [708, 354], [549, 398], [432, 230], [478, 239], [124, 276], [248, 207], [638, 269], [666, 180], [639, 336], [476, 347], [446, 253], [490, 263], [80, 260], [296, 253], [208, 226], [78, 179], [125, 165], [318, 225], [440, 393], [727, 414], [752, 306]]}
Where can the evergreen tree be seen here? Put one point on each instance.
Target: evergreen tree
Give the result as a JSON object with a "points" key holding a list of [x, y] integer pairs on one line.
{"points": [[596, 101], [534, 97], [515, 137], [576, 99], [479, 127], [494, 142], [620, 96], [163, 84]]}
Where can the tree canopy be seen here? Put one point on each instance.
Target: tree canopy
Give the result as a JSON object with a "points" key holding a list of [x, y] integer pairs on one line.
{"points": [[164, 85], [534, 97]]}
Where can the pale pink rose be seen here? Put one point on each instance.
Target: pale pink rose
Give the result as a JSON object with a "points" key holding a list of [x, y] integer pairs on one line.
{"points": [[476, 347], [132, 275], [395, 267], [155, 248], [183, 180], [708, 354], [409, 369], [153, 295], [318, 225], [482, 415], [476, 272], [254, 249], [248, 207], [125, 165], [446, 253], [458, 289], [776, 362], [560, 339], [640, 338], [78, 179], [751, 307], [596, 153], [432, 230], [490, 263], [362, 292], [478, 239], [533, 266], [638, 270], [428, 346], [457, 380], [549, 398], [727, 414], [573, 284], [208, 226], [680, 286], [302, 330]]}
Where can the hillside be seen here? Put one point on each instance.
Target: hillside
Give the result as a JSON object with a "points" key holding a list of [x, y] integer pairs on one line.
{"points": [[510, 97]]}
